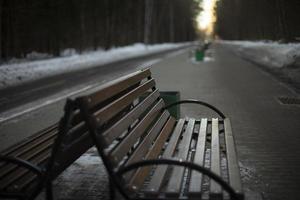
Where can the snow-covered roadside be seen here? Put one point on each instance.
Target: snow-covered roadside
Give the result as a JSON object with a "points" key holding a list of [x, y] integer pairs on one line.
{"points": [[270, 54], [282, 59], [13, 74]]}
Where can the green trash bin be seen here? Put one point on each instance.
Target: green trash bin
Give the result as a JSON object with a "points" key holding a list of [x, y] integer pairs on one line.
{"points": [[199, 54], [171, 97]]}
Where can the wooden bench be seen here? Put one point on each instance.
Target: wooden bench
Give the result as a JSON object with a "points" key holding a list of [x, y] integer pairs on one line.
{"points": [[147, 153], [150, 155], [29, 166]]}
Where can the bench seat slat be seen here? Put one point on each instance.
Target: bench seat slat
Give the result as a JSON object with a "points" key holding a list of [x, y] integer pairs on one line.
{"points": [[113, 132], [174, 185], [144, 146], [110, 110], [121, 150], [233, 168], [20, 172], [29, 156], [215, 188], [138, 178], [117, 86], [159, 174], [195, 185]]}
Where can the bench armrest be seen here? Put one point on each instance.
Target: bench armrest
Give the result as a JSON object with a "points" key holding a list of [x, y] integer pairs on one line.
{"points": [[182, 163], [193, 101], [23, 163]]}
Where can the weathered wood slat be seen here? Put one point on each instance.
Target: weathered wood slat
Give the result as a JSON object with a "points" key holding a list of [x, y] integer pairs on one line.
{"points": [[121, 150], [110, 110], [117, 87], [20, 172], [24, 143], [195, 186], [174, 185], [22, 178], [75, 132], [28, 157], [139, 176], [160, 172], [215, 188], [34, 144], [113, 132], [144, 146], [232, 163]]}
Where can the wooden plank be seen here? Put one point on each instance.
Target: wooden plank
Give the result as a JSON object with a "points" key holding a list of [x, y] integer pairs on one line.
{"points": [[232, 163], [175, 182], [110, 110], [122, 149], [20, 172], [117, 86], [34, 144], [28, 156], [215, 188], [138, 178], [159, 174], [144, 146], [196, 177], [75, 132], [115, 130], [42, 133]]}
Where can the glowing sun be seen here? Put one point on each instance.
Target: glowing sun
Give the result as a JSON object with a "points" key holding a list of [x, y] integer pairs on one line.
{"points": [[206, 18]]}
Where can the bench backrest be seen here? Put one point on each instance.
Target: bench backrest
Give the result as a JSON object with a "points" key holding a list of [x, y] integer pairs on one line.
{"points": [[125, 118]]}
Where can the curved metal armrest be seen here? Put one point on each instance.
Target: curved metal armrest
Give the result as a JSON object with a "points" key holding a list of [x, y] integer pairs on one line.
{"points": [[187, 164], [22, 163], [193, 101]]}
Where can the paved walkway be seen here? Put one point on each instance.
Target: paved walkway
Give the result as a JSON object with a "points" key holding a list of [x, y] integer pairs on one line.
{"points": [[266, 132]]}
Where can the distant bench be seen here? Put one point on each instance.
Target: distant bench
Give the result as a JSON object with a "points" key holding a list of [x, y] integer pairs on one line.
{"points": [[148, 153]]}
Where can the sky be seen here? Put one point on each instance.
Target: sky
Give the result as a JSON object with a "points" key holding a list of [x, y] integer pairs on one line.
{"points": [[206, 18]]}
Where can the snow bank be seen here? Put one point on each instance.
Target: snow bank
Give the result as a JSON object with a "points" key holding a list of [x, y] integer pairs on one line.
{"points": [[283, 60], [269, 54], [12, 74]]}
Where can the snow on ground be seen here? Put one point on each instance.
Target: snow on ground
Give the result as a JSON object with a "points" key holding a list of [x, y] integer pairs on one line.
{"points": [[13, 73], [270, 54], [282, 59]]}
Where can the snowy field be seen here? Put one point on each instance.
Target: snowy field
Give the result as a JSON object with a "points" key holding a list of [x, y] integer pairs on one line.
{"points": [[17, 72], [282, 59]]}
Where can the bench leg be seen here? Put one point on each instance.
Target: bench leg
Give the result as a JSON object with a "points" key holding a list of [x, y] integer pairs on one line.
{"points": [[111, 190]]}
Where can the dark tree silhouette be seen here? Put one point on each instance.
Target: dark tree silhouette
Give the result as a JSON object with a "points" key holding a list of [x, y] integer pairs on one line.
{"points": [[50, 26], [258, 19]]}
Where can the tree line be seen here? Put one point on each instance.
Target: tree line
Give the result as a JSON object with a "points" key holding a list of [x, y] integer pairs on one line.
{"points": [[258, 19], [49, 26]]}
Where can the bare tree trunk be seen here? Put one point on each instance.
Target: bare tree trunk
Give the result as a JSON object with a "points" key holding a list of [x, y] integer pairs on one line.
{"points": [[172, 36], [1, 16], [148, 20]]}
